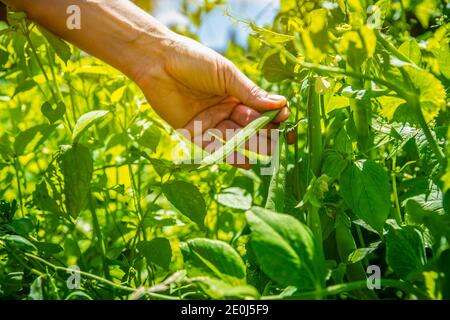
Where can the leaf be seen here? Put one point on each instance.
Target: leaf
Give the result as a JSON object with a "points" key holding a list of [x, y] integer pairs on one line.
{"points": [[118, 94], [37, 134], [443, 57], [24, 86], [19, 242], [235, 198], [389, 105], [215, 258], [218, 289], [424, 10], [157, 251], [430, 91], [334, 164], [405, 252], [365, 188], [161, 166], [77, 167], [286, 250], [361, 253], [150, 137], [61, 48], [187, 199], [36, 292], [274, 70], [22, 226], [239, 139], [86, 121], [42, 199], [53, 114], [411, 49]]}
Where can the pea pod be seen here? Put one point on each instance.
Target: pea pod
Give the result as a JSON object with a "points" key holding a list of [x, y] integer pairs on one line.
{"points": [[277, 188], [361, 115]]}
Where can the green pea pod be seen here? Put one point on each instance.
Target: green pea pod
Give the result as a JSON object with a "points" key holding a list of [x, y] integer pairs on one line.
{"points": [[240, 138], [361, 115], [277, 188]]}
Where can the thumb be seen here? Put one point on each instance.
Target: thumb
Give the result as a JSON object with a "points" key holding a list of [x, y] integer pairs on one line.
{"points": [[250, 94]]}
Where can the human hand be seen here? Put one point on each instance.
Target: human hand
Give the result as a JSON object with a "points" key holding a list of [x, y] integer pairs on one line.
{"points": [[194, 83]]}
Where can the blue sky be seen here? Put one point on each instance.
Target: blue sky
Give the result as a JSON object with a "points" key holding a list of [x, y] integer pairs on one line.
{"points": [[216, 28]]}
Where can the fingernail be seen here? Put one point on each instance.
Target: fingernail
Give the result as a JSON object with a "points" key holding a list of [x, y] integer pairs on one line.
{"points": [[276, 97]]}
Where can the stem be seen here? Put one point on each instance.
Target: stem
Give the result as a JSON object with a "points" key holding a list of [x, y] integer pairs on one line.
{"points": [[314, 131], [430, 138], [99, 236], [19, 188], [360, 114], [100, 279], [393, 50], [357, 285], [397, 212], [33, 49]]}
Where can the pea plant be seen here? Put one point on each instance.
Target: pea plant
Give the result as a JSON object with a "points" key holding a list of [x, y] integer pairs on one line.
{"points": [[356, 208]]}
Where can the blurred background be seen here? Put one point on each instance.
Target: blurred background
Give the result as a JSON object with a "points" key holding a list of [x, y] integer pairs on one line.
{"points": [[212, 25]]}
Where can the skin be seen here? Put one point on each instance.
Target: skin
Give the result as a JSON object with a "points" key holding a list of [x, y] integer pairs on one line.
{"points": [[183, 80]]}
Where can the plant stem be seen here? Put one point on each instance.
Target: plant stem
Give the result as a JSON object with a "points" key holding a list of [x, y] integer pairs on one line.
{"points": [[100, 279], [19, 188], [397, 212], [357, 285], [99, 236]]}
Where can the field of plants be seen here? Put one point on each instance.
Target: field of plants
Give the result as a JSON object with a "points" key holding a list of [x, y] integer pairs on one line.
{"points": [[95, 204]]}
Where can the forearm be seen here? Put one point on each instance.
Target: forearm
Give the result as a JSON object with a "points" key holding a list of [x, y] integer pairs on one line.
{"points": [[116, 31]]}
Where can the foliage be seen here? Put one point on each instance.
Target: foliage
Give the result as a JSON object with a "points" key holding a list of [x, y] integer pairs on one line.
{"points": [[90, 178]]}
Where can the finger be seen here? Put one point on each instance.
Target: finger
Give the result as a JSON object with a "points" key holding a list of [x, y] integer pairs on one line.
{"points": [[241, 87], [210, 117]]}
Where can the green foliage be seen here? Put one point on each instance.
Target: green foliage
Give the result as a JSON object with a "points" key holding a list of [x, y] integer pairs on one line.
{"points": [[365, 188], [91, 175], [286, 250]]}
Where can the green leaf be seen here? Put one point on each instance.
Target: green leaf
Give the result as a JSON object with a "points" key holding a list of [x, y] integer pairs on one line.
{"points": [[61, 48], [36, 292], [411, 49], [274, 70], [53, 114], [19, 242], [430, 91], [286, 250], [405, 251], [150, 137], [361, 253], [334, 164], [215, 258], [443, 57], [22, 226], [365, 188], [77, 167], [37, 134], [187, 199], [218, 289], [157, 251], [86, 121], [235, 198], [42, 199], [240, 138], [24, 86]]}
